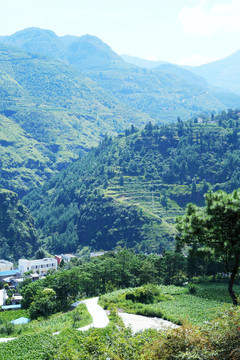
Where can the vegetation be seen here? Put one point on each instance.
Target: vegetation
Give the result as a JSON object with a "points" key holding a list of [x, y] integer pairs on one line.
{"points": [[89, 277], [163, 94], [73, 345], [18, 236], [129, 190], [126, 193], [173, 303], [217, 340], [120, 270], [216, 226], [49, 115], [57, 322]]}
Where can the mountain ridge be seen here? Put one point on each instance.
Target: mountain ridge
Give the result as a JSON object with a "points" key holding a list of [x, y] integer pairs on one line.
{"points": [[162, 96], [53, 110]]}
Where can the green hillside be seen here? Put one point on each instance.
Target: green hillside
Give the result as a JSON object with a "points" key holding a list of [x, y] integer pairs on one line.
{"points": [[163, 95], [18, 236], [129, 190], [49, 115]]}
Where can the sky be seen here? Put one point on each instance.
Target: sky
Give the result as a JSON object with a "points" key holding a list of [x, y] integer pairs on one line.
{"points": [[185, 32]]}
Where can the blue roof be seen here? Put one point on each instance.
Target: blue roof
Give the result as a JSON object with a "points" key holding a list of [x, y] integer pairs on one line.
{"points": [[11, 307], [9, 272], [21, 320]]}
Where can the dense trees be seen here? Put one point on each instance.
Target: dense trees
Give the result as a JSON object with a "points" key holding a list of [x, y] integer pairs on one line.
{"points": [[129, 189], [114, 270], [18, 237]]}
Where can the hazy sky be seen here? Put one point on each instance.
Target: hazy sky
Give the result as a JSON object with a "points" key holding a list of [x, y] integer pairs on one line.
{"points": [[179, 31]]}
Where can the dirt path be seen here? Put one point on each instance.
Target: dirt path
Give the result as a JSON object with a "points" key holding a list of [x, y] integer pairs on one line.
{"points": [[100, 320], [140, 323]]}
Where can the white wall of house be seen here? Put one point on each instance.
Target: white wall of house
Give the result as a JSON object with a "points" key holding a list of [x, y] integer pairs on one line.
{"points": [[67, 257], [6, 265], [41, 265]]}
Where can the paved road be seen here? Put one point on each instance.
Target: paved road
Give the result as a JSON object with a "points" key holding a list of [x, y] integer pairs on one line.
{"points": [[6, 339], [100, 319]]}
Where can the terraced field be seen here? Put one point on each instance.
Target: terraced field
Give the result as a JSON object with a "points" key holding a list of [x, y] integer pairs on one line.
{"points": [[146, 195]]}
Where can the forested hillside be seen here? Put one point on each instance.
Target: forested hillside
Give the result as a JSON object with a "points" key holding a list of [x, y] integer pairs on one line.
{"points": [[18, 236], [162, 95], [129, 190], [49, 115]]}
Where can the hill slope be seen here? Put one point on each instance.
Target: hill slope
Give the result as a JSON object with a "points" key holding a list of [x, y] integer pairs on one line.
{"points": [[129, 190], [163, 96], [147, 64], [54, 110], [18, 236], [224, 73]]}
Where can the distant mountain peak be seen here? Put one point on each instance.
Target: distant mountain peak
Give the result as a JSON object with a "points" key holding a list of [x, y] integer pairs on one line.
{"points": [[33, 31]]}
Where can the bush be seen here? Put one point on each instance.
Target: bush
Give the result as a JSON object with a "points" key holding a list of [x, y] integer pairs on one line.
{"points": [[145, 294], [192, 289], [7, 328], [219, 340]]}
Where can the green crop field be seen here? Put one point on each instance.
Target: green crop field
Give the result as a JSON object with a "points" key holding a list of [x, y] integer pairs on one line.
{"points": [[55, 323], [178, 305]]}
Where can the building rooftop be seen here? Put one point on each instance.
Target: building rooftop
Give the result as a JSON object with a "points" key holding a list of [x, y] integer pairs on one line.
{"points": [[20, 321], [5, 262], [17, 297], [35, 275], [11, 307], [9, 272], [37, 261]]}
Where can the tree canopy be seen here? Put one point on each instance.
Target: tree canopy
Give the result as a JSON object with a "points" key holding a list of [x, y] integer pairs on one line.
{"points": [[217, 227]]}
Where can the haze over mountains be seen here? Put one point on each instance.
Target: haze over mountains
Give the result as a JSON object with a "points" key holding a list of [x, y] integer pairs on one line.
{"points": [[223, 74], [60, 95], [164, 95]]}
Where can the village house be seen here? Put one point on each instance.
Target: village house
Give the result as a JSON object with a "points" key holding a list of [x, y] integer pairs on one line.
{"points": [[5, 265], [67, 257], [41, 266]]}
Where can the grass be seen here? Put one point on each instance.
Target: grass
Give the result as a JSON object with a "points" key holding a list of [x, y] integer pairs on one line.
{"points": [[12, 315], [176, 304], [55, 323]]}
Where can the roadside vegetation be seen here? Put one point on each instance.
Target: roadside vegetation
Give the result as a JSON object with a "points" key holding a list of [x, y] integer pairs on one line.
{"points": [[218, 340], [57, 322], [173, 303]]}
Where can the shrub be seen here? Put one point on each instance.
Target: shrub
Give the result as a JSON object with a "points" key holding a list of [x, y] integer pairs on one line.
{"points": [[192, 289], [7, 328], [145, 294]]}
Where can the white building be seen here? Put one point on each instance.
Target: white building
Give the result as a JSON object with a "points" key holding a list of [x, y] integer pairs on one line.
{"points": [[6, 265], [40, 266], [67, 257]]}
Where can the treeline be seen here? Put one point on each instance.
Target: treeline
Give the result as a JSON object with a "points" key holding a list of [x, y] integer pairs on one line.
{"points": [[114, 270]]}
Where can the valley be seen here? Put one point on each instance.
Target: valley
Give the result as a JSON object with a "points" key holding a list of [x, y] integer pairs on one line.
{"points": [[112, 158]]}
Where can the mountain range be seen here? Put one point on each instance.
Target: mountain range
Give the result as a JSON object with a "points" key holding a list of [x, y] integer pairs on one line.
{"points": [[163, 95], [61, 96], [50, 114]]}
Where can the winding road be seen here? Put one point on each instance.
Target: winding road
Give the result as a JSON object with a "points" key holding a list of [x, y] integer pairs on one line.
{"points": [[100, 319], [99, 316]]}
